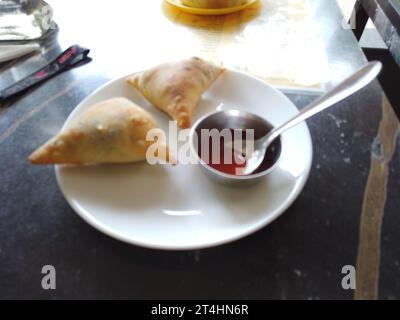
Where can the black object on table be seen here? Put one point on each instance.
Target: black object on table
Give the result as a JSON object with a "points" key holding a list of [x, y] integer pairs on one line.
{"points": [[71, 57], [385, 14]]}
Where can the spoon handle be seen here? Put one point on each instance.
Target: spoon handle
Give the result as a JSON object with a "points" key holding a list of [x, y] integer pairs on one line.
{"points": [[349, 86]]}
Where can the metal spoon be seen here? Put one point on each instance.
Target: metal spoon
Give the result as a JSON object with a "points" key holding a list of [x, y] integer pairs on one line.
{"points": [[349, 86]]}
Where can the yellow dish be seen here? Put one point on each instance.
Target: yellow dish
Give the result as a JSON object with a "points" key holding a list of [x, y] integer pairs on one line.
{"points": [[178, 4], [213, 4]]}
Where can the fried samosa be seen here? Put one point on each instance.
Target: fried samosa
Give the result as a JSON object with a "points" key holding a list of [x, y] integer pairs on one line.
{"points": [[177, 87], [112, 131]]}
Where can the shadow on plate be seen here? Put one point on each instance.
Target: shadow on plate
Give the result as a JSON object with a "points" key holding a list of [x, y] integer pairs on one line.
{"points": [[234, 199], [125, 187]]}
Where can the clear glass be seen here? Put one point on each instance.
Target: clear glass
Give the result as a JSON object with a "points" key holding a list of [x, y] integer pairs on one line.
{"points": [[25, 20]]}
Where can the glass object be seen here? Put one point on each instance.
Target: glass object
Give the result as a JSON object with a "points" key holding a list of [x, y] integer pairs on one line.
{"points": [[25, 20]]}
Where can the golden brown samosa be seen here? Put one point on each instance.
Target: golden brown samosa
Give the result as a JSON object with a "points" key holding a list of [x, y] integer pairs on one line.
{"points": [[112, 131], [177, 87]]}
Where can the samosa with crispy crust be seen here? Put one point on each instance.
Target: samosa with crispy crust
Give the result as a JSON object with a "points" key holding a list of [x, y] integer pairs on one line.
{"points": [[176, 87], [112, 131]]}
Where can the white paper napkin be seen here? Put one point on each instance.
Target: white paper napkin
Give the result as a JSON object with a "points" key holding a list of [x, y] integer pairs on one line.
{"points": [[10, 52]]}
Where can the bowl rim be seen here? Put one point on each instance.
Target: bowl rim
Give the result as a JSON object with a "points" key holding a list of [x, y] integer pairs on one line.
{"points": [[209, 11], [226, 175]]}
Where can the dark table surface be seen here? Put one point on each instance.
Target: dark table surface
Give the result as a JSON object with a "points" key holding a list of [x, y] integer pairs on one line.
{"points": [[348, 213]]}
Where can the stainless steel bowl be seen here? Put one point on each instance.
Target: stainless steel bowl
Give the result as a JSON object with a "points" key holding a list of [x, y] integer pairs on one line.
{"points": [[233, 119]]}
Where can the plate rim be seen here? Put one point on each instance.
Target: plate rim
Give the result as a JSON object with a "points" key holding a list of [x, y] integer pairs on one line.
{"points": [[209, 12], [280, 210]]}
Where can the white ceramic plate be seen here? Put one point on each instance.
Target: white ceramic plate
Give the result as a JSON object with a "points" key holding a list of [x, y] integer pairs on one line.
{"points": [[166, 207]]}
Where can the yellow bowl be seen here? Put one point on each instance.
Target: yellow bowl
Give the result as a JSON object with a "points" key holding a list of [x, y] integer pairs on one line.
{"points": [[213, 4], [220, 11]]}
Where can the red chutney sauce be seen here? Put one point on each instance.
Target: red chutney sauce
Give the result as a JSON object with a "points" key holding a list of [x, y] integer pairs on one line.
{"points": [[223, 157], [229, 160]]}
